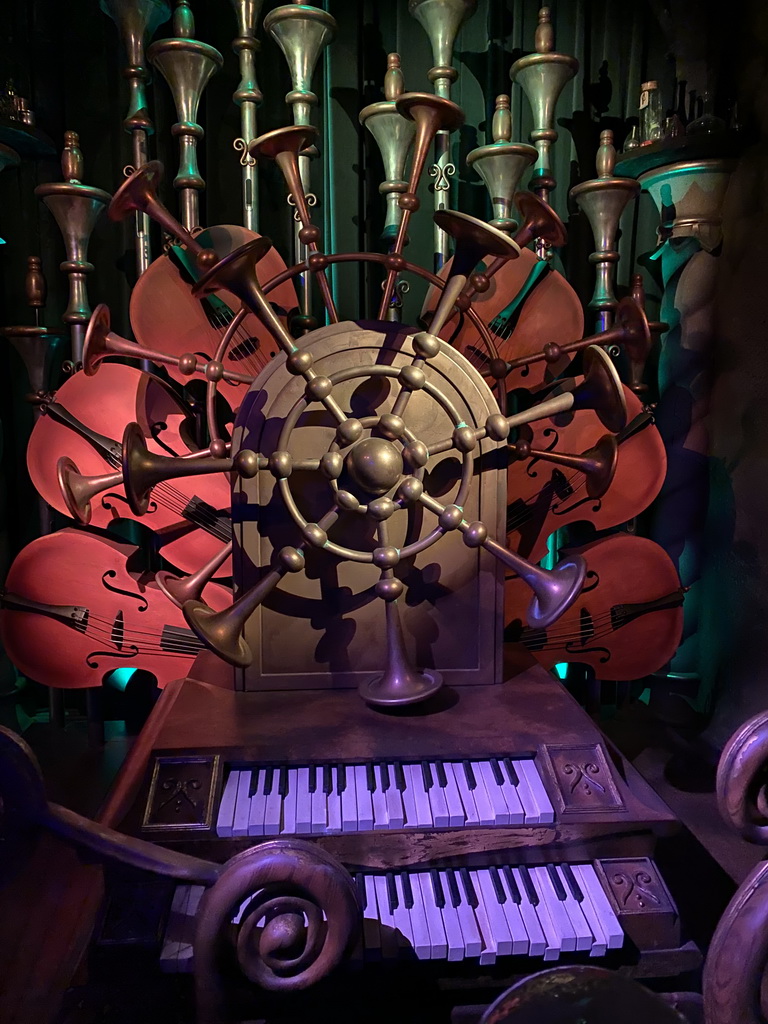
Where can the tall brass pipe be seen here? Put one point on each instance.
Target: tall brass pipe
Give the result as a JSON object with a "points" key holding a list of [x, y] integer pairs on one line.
{"points": [[248, 97]]}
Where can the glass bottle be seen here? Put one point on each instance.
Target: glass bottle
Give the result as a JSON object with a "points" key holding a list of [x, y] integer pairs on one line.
{"points": [[651, 117]]}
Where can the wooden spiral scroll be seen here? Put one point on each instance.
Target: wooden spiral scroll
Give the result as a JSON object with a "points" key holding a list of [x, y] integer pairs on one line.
{"points": [[21, 794], [282, 942], [742, 780], [738, 955]]}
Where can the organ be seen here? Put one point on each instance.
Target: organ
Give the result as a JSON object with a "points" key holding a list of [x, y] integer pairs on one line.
{"points": [[365, 758]]}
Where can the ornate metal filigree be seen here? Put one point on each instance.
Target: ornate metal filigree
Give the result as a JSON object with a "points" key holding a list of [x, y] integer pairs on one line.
{"points": [[241, 146], [442, 173]]}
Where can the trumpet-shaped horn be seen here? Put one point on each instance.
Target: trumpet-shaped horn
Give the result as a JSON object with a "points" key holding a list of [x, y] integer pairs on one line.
{"points": [[598, 463], [601, 390], [143, 470], [78, 491], [539, 221], [180, 589], [638, 350], [139, 192], [101, 343]]}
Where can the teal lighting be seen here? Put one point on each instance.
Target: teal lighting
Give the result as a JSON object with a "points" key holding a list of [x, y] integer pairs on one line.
{"points": [[549, 561], [120, 677]]}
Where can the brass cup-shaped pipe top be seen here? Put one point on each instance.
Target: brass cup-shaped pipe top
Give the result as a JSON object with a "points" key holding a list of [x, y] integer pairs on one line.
{"points": [[598, 463]]}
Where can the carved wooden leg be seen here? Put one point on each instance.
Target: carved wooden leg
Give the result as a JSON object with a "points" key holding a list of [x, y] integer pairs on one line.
{"points": [[282, 942], [22, 795], [742, 778]]}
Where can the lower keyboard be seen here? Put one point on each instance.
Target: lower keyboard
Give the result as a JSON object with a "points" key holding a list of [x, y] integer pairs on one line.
{"points": [[477, 914]]}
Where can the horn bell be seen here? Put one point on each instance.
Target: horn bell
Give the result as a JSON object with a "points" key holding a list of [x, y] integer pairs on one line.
{"points": [[554, 590], [601, 390], [539, 221], [222, 631], [78, 490], [95, 346]]}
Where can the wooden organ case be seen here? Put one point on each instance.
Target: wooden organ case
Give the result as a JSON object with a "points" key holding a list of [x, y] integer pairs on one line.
{"points": [[357, 771]]}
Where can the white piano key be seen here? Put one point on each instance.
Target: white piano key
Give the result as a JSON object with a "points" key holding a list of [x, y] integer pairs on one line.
{"points": [[470, 811], [319, 803], [390, 938], [227, 806], [457, 947], [538, 943], [174, 930], [273, 808], [473, 941], [371, 929], [363, 797], [402, 917], [186, 956], [492, 788], [611, 927], [496, 916], [556, 908], [600, 945], [258, 805], [379, 799], [334, 803], [409, 800], [437, 802], [523, 794], [395, 809], [453, 802], [419, 928], [349, 821], [289, 803], [242, 805], [303, 802], [552, 935], [485, 811], [530, 769], [511, 910], [584, 937], [415, 780], [438, 941], [485, 925]]}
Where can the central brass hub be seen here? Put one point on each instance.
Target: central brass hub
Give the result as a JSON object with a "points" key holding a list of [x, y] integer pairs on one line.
{"points": [[375, 465]]}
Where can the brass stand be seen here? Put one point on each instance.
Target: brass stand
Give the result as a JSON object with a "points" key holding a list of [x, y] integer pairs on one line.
{"points": [[248, 97]]}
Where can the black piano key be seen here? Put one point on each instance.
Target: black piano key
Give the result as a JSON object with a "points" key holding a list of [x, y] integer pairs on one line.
{"points": [[341, 778], [570, 881], [384, 770], [360, 883], [312, 779], [469, 775], [498, 774], [327, 779], [530, 888], [394, 903], [556, 883], [269, 780], [399, 777], [407, 890], [426, 773], [453, 888], [512, 883], [498, 885], [511, 773], [253, 787], [437, 887], [442, 778], [469, 889], [370, 778], [282, 782]]}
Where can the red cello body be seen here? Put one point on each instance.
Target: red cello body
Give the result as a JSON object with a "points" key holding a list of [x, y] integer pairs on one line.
{"points": [[520, 324], [543, 498], [77, 605], [190, 516], [626, 623], [167, 317]]}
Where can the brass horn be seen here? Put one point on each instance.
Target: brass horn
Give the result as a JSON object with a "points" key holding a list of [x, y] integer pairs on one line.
{"points": [[637, 350], [139, 193], [101, 343], [539, 222], [598, 464], [78, 491], [630, 328], [400, 683], [431, 115], [180, 589], [143, 470], [283, 146]]}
